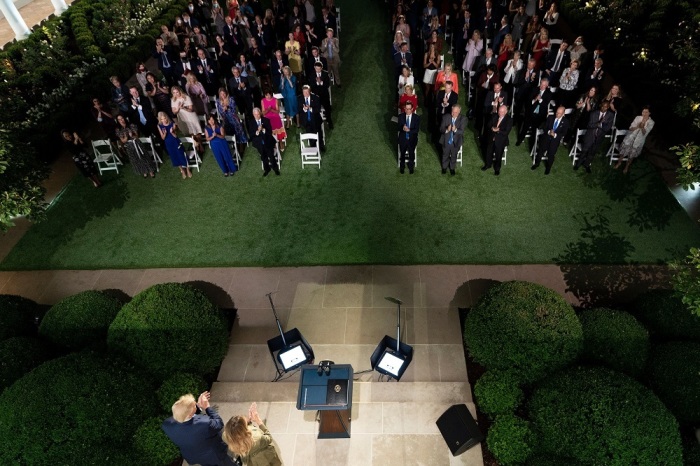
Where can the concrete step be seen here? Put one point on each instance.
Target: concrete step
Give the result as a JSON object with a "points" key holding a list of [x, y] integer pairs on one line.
{"points": [[363, 392]]}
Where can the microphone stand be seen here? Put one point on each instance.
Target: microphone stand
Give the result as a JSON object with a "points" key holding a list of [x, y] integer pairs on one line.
{"points": [[277, 319]]}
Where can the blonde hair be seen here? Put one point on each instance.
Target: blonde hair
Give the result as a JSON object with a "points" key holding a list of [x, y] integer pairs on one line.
{"points": [[182, 408], [237, 436], [178, 89]]}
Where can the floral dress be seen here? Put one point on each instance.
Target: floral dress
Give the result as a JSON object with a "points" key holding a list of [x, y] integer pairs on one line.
{"points": [[232, 124], [142, 163]]}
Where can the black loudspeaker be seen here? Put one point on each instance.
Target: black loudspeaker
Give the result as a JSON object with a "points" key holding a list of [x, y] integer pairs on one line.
{"points": [[459, 429]]}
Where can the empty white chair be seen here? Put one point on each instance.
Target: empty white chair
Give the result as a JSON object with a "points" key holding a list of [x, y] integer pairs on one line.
{"points": [[576, 148], [618, 135], [533, 152], [310, 149], [609, 135], [447, 31], [193, 160], [148, 142], [554, 42], [105, 157], [459, 157], [337, 21], [568, 111], [442, 62], [505, 155]]}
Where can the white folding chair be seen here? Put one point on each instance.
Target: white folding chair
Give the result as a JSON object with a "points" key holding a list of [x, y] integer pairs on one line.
{"points": [[193, 160], [234, 149], [212, 53], [609, 135], [405, 156], [469, 93], [105, 157], [533, 152], [553, 42], [148, 142], [442, 62], [447, 33], [310, 149], [459, 156], [568, 111], [337, 21], [578, 146], [618, 135], [505, 155], [278, 156]]}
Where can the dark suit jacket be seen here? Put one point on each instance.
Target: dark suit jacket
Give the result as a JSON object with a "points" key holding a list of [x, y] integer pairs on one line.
{"points": [[151, 122], [169, 52], [199, 439], [397, 60], [550, 144], [604, 126], [310, 64], [490, 97], [543, 104], [482, 79], [412, 134], [316, 120], [325, 23], [458, 136], [276, 71], [500, 138], [243, 97], [452, 100], [321, 90], [482, 64], [263, 141], [552, 58]]}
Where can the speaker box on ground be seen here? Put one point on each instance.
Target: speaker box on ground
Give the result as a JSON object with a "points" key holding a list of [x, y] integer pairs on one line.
{"points": [[459, 429]]}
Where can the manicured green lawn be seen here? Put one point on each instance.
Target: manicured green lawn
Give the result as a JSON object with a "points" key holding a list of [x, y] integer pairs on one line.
{"points": [[358, 209]]}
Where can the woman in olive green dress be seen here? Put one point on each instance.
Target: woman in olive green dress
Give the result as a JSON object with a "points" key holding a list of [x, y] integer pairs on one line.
{"points": [[249, 439]]}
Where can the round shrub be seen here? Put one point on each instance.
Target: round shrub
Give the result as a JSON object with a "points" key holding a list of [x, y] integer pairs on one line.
{"points": [[546, 460], [674, 374], [16, 316], [614, 339], [176, 386], [153, 446], [83, 405], [510, 439], [80, 320], [599, 416], [19, 355], [498, 392], [525, 328], [170, 328], [691, 454], [665, 315]]}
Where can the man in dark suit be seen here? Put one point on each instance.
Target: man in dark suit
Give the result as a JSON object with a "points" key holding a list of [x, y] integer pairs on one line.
{"points": [[494, 99], [444, 100], [182, 67], [488, 20], [593, 77], [326, 21], [197, 435], [141, 113], [207, 72], [484, 61], [557, 61], [309, 106], [311, 62], [241, 92], [535, 109], [401, 59], [525, 82], [263, 140], [485, 83], [233, 36], [165, 54], [451, 138], [320, 84], [409, 124], [500, 126], [555, 128], [599, 123], [278, 62]]}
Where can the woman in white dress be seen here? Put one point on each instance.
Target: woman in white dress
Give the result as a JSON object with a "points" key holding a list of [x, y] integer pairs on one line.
{"points": [[183, 108], [473, 49], [633, 143], [405, 78], [511, 70]]}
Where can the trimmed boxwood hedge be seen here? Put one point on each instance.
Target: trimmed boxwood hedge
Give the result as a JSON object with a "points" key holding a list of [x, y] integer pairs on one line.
{"points": [[614, 339], [525, 328], [673, 371], [599, 416], [80, 320], [153, 447], [546, 460], [170, 328], [666, 317], [176, 386], [19, 355], [17, 316], [510, 439], [81, 407], [498, 392]]}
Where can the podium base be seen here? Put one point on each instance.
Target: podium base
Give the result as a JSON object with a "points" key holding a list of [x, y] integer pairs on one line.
{"points": [[334, 424]]}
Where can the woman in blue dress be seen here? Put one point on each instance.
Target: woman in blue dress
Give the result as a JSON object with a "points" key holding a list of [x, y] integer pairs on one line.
{"points": [[226, 107], [216, 136], [288, 88], [168, 133]]}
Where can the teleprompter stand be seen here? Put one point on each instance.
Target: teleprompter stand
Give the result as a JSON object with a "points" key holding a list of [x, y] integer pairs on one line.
{"points": [[329, 391]]}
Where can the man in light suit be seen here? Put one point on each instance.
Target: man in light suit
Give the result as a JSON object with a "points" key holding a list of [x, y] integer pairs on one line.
{"points": [[500, 127], [451, 138], [330, 49], [555, 128], [198, 435], [409, 123], [599, 123]]}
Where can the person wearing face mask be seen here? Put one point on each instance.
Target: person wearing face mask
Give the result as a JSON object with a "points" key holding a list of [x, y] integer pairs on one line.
{"points": [[578, 51], [141, 73], [217, 17]]}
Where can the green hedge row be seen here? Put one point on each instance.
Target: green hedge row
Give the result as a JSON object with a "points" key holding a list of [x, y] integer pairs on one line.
{"points": [[17, 316]]}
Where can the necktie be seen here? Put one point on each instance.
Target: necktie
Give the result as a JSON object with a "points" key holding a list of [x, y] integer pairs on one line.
{"points": [[556, 125], [403, 56], [238, 80], [557, 62], [537, 109], [452, 132], [308, 112], [166, 63], [330, 49], [408, 125], [142, 117]]}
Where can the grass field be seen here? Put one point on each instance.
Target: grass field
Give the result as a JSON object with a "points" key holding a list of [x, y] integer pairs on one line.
{"points": [[358, 209]]}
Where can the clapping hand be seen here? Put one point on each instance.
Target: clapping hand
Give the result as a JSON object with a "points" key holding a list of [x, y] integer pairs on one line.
{"points": [[449, 128], [406, 128], [203, 401], [253, 413]]}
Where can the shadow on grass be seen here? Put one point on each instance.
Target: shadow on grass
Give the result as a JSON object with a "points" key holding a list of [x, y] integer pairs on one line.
{"points": [[601, 275], [640, 190]]}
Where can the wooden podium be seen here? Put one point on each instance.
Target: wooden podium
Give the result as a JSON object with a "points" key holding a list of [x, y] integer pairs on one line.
{"points": [[331, 395]]}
